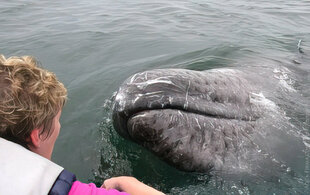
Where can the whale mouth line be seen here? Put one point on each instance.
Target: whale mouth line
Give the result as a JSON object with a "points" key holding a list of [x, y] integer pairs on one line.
{"points": [[203, 114], [175, 109]]}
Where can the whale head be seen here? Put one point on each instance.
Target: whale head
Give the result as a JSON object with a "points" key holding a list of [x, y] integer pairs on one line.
{"points": [[194, 120]]}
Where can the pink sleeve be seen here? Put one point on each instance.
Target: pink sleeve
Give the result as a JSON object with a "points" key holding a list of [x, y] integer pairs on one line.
{"points": [[79, 188]]}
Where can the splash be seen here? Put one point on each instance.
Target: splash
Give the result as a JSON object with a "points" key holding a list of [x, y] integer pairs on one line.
{"points": [[260, 99], [286, 83]]}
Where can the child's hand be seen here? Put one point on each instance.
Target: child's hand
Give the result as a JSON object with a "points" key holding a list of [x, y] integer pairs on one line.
{"points": [[130, 185]]}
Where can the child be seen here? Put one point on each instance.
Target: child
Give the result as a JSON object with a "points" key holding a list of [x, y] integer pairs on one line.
{"points": [[31, 100]]}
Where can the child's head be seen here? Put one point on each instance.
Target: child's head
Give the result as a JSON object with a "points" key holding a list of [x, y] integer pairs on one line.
{"points": [[30, 98]]}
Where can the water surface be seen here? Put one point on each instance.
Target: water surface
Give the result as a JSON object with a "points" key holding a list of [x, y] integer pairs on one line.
{"points": [[93, 46]]}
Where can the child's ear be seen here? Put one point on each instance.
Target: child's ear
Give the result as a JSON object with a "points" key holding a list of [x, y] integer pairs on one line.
{"points": [[35, 138]]}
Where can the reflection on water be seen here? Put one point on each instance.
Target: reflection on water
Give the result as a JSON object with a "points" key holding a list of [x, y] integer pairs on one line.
{"points": [[93, 46]]}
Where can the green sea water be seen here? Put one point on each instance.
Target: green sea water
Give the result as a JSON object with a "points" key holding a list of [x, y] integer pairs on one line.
{"points": [[93, 46]]}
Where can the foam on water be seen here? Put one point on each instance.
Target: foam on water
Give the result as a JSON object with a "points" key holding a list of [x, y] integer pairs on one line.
{"points": [[260, 99], [282, 74]]}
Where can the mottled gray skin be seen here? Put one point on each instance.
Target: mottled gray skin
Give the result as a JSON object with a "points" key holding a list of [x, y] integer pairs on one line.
{"points": [[195, 121]]}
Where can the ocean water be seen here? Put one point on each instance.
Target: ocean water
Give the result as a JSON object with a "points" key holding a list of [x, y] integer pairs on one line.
{"points": [[93, 46]]}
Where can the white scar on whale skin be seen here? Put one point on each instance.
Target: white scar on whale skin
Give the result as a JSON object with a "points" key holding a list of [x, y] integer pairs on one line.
{"points": [[139, 115], [224, 70], [186, 95], [198, 123], [133, 78], [157, 94], [142, 85]]}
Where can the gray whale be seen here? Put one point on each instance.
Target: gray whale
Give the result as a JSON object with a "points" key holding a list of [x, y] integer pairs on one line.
{"points": [[204, 120]]}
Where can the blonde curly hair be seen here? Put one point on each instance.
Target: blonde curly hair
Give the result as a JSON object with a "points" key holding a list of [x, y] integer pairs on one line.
{"points": [[30, 98]]}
